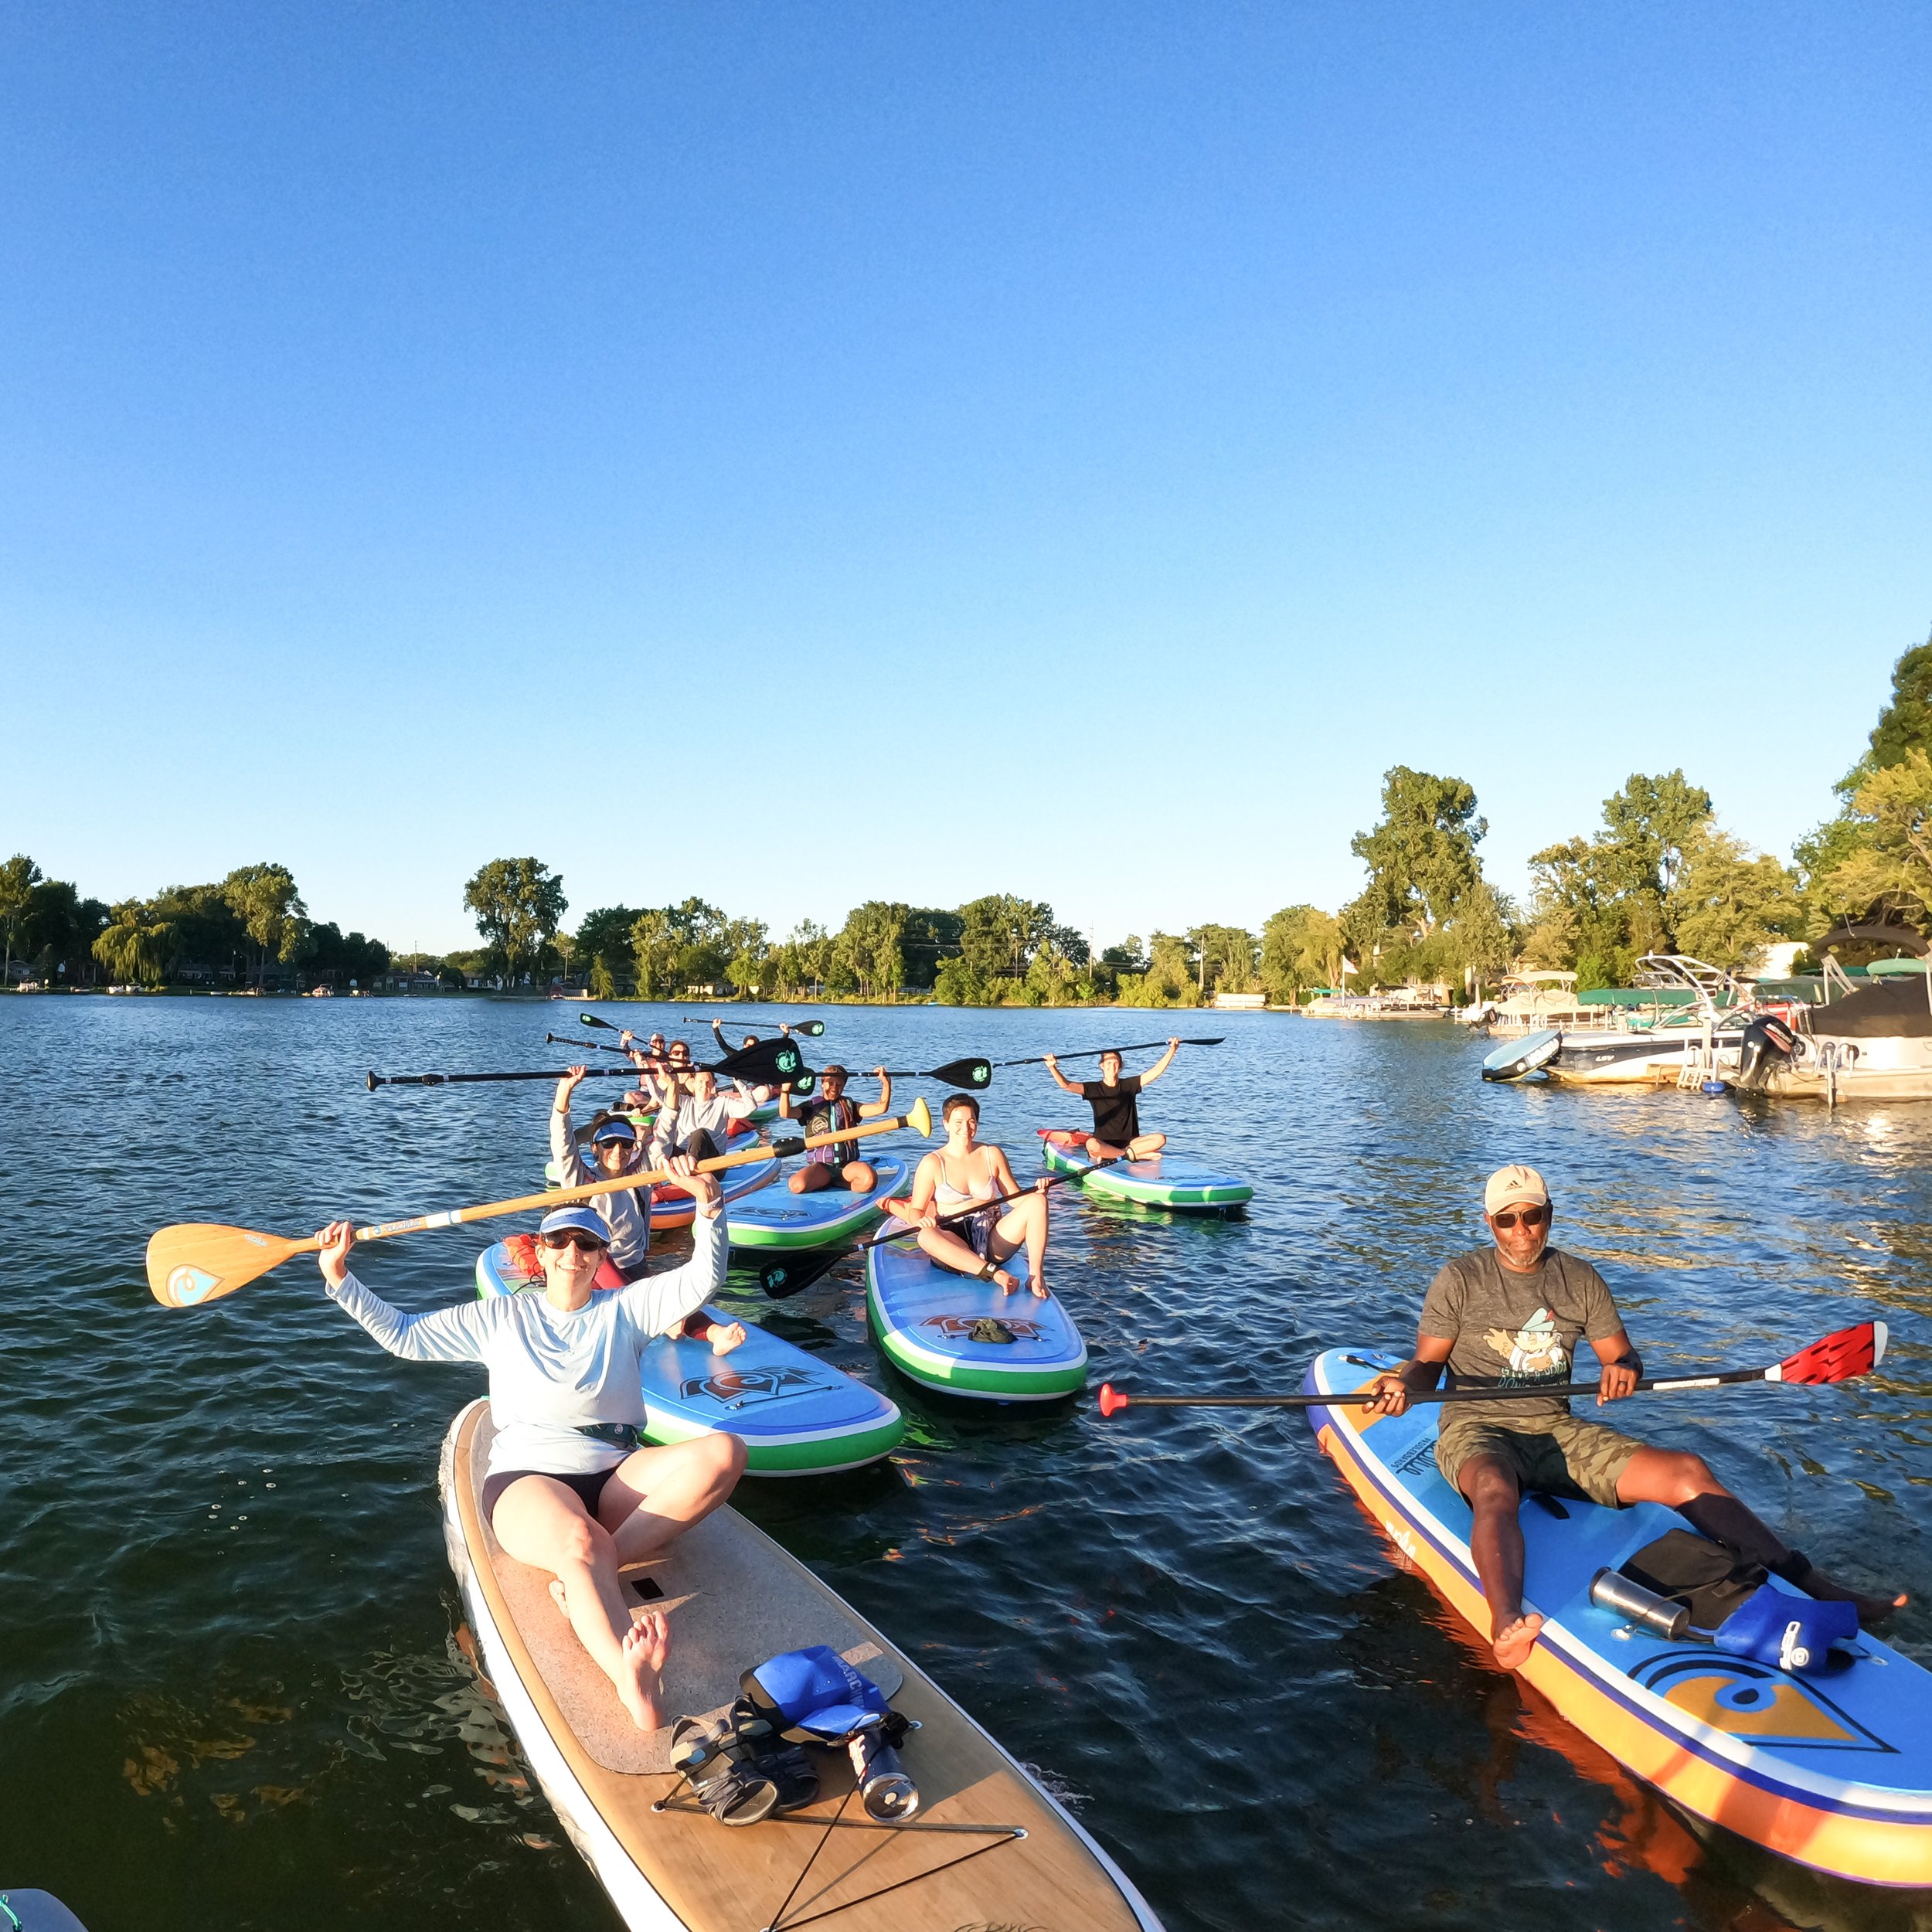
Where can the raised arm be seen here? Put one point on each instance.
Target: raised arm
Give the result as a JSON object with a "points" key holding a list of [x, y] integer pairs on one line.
{"points": [[1160, 1066], [563, 1149], [871, 1110], [449, 1335], [659, 1302], [1060, 1080]]}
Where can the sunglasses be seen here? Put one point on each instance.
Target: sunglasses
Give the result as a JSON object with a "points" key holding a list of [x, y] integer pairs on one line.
{"points": [[1531, 1217], [583, 1243]]}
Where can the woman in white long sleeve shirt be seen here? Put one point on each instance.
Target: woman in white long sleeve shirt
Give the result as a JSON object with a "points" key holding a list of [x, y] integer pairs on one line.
{"points": [[568, 1489]]}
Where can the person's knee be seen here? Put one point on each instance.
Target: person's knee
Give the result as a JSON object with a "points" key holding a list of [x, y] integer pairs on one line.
{"points": [[576, 1543], [1686, 1476], [722, 1456], [1489, 1486], [797, 1183], [860, 1177]]}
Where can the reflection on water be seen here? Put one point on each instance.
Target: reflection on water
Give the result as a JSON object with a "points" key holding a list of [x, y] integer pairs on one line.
{"points": [[235, 1691]]}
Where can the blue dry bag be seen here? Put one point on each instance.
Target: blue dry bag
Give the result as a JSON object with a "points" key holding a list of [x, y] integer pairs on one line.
{"points": [[1792, 1633], [815, 1691]]}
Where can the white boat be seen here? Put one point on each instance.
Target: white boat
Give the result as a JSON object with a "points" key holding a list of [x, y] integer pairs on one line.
{"points": [[1871, 1043]]}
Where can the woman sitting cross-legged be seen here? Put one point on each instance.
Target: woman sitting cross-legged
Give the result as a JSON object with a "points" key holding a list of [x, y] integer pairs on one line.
{"points": [[569, 1489], [960, 1223]]}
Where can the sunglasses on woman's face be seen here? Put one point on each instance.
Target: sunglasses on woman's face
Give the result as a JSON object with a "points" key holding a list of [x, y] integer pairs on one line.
{"points": [[1531, 1217], [583, 1243]]}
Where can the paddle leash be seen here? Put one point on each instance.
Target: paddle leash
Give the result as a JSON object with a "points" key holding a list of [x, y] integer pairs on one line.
{"points": [[198, 1261], [1841, 1357]]}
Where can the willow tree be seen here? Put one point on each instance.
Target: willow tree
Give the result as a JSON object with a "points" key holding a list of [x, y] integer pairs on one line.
{"points": [[135, 947]]}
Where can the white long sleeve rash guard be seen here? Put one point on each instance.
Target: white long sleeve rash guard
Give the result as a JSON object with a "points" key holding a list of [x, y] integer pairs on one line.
{"points": [[550, 1373]]}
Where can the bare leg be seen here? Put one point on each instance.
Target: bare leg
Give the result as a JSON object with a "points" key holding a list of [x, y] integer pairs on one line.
{"points": [[1496, 1542], [1144, 1146], [859, 1176], [1025, 1224], [811, 1178], [541, 1522], [1100, 1150], [951, 1252], [657, 1494]]}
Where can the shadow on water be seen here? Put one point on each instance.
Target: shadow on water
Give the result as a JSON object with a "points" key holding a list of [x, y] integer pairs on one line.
{"points": [[233, 1691]]}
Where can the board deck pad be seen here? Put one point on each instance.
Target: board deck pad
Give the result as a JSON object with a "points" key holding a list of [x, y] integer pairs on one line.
{"points": [[797, 1415], [777, 1218], [923, 1315], [1168, 1180], [1833, 1769], [722, 1621]]}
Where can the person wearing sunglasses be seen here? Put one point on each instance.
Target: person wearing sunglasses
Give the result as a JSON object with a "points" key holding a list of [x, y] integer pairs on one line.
{"points": [[571, 1488], [1513, 1315], [614, 1152]]}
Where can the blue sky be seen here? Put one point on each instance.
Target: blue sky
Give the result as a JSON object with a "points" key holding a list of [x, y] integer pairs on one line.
{"points": [[799, 453]]}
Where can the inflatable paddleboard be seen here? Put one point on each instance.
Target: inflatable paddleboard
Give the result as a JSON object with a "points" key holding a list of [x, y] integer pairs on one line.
{"points": [[924, 1316], [797, 1415], [733, 1598], [33, 1911], [1516, 1059], [777, 1218], [1168, 1181], [1833, 1770]]}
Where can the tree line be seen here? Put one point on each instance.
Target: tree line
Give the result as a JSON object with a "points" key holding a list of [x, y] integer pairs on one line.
{"points": [[1658, 874]]}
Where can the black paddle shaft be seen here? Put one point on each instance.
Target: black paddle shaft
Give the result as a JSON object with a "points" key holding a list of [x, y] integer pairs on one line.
{"points": [[771, 1060], [1362, 1397], [1094, 1052]]}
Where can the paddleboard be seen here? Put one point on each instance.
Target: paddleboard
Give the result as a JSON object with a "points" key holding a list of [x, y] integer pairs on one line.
{"points": [[923, 1316], [34, 1911], [1833, 1770], [797, 1415], [1516, 1059], [777, 1218], [1168, 1181], [733, 1598]]}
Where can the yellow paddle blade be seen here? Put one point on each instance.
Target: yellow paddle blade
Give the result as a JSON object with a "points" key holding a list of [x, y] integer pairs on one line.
{"points": [[197, 1261], [920, 1118]]}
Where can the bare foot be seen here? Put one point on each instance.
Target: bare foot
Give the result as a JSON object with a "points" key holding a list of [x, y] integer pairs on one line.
{"points": [[1005, 1283], [726, 1336], [1038, 1284], [1517, 1638], [646, 1645]]}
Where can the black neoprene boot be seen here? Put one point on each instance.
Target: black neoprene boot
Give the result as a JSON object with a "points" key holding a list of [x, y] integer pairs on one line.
{"points": [[1726, 1520]]}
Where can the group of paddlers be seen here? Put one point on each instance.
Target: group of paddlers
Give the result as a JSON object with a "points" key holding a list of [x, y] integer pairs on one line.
{"points": [[572, 1487]]}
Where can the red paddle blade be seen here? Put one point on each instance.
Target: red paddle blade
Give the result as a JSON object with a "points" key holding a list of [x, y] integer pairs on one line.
{"points": [[1851, 1352], [1112, 1401]]}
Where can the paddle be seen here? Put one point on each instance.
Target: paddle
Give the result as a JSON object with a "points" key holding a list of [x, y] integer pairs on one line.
{"points": [[576, 1039], [1091, 1052], [813, 1027], [778, 1278], [771, 1062], [955, 1073], [198, 1261], [1850, 1352]]}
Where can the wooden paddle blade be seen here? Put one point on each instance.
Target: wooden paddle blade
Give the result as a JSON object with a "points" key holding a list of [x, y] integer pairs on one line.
{"points": [[198, 1261], [976, 1075], [920, 1118], [1856, 1351]]}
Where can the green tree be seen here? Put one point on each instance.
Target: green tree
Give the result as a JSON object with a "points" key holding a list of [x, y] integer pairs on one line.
{"points": [[18, 878], [1301, 947], [603, 938], [1223, 959], [870, 947], [1421, 855], [518, 904], [750, 959], [1727, 903], [999, 933], [1889, 866], [1169, 980], [136, 948], [654, 947], [60, 930], [337, 959], [264, 898], [1482, 935], [931, 935]]}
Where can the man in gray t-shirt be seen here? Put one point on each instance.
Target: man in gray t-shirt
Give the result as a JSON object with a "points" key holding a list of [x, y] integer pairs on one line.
{"points": [[1515, 1314]]}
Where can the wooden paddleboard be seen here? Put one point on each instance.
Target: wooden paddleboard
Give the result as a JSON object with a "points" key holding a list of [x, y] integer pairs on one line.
{"points": [[1832, 1769], [734, 1598]]}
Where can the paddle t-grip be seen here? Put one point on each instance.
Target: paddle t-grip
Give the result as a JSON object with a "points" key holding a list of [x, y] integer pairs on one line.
{"points": [[1112, 1401]]}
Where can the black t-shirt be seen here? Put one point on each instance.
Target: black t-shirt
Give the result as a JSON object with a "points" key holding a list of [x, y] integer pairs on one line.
{"points": [[1116, 1114]]}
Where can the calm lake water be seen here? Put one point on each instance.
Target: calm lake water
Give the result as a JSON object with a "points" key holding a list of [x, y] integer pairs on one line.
{"points": [[232, 1693]]}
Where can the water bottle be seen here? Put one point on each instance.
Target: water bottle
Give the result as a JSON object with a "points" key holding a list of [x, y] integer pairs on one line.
{"points": [[1610, 1590]]}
